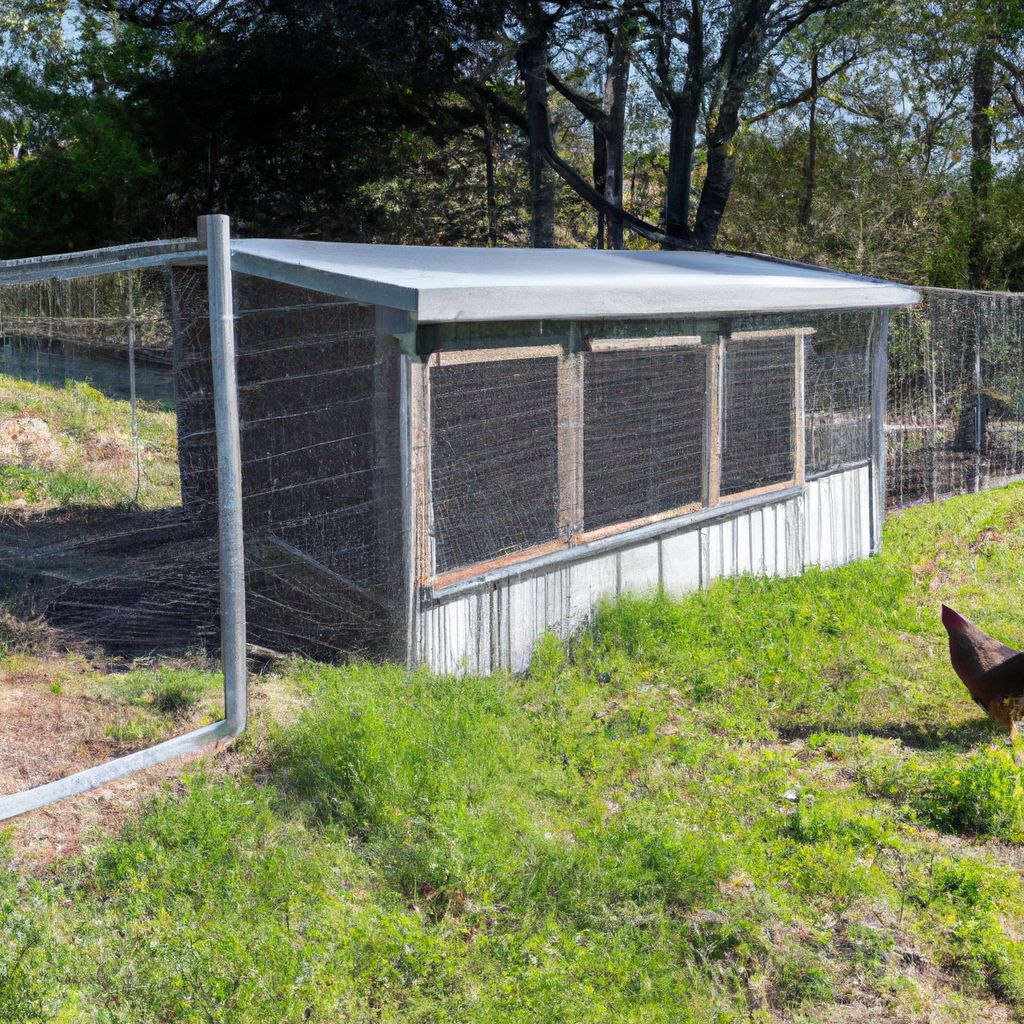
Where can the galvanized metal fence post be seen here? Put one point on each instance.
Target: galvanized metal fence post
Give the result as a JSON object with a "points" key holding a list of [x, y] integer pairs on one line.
{"points": [[879, 400], [229, 470]]}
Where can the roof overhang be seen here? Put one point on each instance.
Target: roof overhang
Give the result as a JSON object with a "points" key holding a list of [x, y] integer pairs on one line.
{"points": [[449, 285]]}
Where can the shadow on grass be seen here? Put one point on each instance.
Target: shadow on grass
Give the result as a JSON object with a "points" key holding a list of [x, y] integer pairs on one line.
{"points": [[917, 736]]}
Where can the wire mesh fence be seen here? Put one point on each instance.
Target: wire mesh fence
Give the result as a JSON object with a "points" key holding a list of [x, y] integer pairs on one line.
{"points": [[956, 395], [321, 488], [108, 584], [522, 438]]}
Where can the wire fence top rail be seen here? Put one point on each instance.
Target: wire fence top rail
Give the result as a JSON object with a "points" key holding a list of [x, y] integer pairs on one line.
{"points": [[87, 262]]}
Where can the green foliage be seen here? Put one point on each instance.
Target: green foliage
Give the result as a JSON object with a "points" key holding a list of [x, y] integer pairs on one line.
{"points": [[118, 127], [965, 902], [447, 787], [169, 691], [981, 794], [27, 991]]}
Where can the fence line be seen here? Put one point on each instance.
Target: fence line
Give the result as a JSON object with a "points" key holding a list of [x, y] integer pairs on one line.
{"points": [[955, 421]]}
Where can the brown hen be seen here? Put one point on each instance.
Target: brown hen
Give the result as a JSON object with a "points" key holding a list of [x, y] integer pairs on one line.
{"points": [[992, 672]]}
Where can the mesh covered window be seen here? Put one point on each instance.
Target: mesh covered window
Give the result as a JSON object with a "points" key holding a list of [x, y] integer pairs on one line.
{"points": [[837, 381], [643, 434], [493, 458], [757, 410]]}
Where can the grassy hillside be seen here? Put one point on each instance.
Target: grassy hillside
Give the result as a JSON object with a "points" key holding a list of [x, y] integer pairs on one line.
{"points": [[771, 801], [73, 446]]}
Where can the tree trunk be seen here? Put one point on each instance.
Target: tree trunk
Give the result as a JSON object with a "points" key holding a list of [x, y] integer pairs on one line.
{"points": [[714, 196], [600, 180], [533, 66], [682, 145], [982, 173], [492, 201], [811, 163], [684, 111]]}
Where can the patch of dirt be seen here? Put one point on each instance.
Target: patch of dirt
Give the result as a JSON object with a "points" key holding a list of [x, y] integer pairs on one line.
{"points": [[914, 990], [985, 541], [109, 451], [28, 441], [46, 736], [61, 830]]}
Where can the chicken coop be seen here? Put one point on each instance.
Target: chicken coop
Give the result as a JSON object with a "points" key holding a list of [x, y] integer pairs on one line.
{"points": [[448, 452]]}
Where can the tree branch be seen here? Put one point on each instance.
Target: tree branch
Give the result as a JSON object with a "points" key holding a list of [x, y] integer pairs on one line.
{"points": [[577, 182], [804, 95], [587, 107]]}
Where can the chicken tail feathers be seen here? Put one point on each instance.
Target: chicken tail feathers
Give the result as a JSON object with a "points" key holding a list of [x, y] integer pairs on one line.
{"points": [[953, 621], [972, 652]]}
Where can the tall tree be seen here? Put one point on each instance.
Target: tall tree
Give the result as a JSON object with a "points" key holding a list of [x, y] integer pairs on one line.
{"points": [[614, 29], [983, 87], [702, 61]]}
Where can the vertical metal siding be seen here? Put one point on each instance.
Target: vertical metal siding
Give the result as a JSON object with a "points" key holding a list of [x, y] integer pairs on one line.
{"points": [[498, 626]]}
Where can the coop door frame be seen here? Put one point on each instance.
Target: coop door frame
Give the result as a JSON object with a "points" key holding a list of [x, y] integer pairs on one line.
{"points": [[796, 419]]}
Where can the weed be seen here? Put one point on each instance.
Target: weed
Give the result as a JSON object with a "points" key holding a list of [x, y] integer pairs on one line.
{"points": [[978, 794]]}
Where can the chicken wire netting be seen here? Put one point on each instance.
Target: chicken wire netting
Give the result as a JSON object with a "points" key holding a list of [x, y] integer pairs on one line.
{"points": [[956, 400], [89, 475], [108, 587], [318, 396], [548, 435], [758, 410], [512, 484], [109, 582], [642, 400]]}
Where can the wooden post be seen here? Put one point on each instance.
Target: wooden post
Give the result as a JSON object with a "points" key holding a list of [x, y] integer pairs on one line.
{"points": [[979, 421], [799, 454], [570, 437], [415, 469], [713, 423]]}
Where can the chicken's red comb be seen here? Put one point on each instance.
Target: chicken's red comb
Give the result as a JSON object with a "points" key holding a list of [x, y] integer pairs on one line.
{"points": [[952, 619]]}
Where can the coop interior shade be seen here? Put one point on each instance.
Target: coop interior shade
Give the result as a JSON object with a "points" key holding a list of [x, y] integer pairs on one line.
{"points": [[445, 285], [758, 410], [494, 470]]}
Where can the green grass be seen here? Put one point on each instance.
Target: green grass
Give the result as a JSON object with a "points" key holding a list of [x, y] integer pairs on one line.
{"points": [[97, 462], [755, 804], [164, 690]]}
